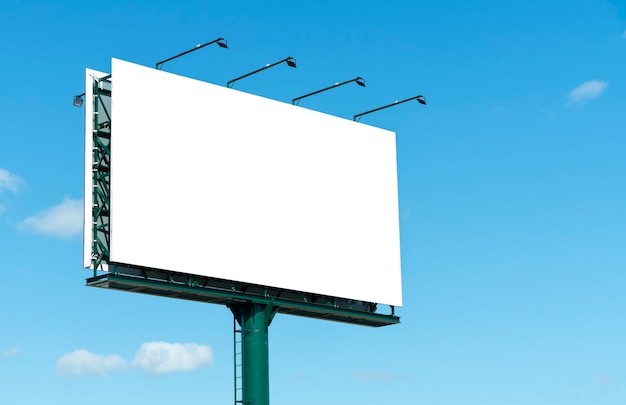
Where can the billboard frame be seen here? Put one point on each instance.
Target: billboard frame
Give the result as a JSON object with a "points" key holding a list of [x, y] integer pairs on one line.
{"points": [[253, 306], [154, 281]]}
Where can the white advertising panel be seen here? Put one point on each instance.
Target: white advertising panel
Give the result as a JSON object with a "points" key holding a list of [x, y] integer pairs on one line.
{"points": [[216, 182]]}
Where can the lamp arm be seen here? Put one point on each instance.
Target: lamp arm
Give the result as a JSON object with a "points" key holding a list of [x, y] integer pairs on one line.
{"points": [[297, 99], [386, 106], [232, 82], [160, 64]]}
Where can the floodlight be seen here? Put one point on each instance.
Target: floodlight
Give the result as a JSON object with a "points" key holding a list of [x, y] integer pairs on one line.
{"points": [[78, 100], [219, 41], [420, 99], [288, 60], [357, 80]]}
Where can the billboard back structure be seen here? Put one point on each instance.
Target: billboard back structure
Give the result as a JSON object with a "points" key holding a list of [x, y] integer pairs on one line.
{"points": [[97, 170], [211, 181]]}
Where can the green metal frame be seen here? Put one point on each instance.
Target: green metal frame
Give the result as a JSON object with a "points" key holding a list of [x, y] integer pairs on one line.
{"points": [[100, 171]]}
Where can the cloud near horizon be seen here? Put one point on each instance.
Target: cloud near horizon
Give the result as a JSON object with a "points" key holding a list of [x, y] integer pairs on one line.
{"points": [[162, 357], [605, 382], [151, 358], [373, 376], [64, 220], [82, 362], [586, 91]]}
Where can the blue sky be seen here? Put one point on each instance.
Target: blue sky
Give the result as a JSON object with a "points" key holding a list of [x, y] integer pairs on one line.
{"points": [[512, 202]]}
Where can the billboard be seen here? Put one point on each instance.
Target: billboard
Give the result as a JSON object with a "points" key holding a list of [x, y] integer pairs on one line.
{"points": [[211, 181]]}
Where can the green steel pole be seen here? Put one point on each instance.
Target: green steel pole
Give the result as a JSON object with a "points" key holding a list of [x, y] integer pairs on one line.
{"points": [[255, 320]]}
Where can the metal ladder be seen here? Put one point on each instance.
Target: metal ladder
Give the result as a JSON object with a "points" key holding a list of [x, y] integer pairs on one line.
{"points": [[238, 362]]}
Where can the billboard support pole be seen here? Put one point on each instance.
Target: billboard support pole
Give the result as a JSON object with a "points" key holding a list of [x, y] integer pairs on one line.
{"points": [[254, 320]]}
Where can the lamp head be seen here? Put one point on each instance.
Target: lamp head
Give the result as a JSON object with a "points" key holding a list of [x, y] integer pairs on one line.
{"points": [[78, 101], [291, 62], [222, 43], [421, 100], [360, 81]]}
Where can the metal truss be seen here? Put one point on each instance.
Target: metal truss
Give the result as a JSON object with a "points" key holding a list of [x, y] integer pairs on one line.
{"points": [[100, 172]]}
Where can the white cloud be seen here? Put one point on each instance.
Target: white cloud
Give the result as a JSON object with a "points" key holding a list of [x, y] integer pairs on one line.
{"points": [[83, 362], [377, 376], [162, 357], [11, 352], [152, 358], [586, 91], [64, 220], [605, 382], [9, 181]]}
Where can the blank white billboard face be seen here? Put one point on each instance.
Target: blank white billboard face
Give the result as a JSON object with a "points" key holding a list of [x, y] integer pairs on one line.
{"points": [[211, 181]]}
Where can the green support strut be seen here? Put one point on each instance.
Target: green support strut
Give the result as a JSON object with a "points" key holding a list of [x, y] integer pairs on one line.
{"points": [[254, 320]]}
